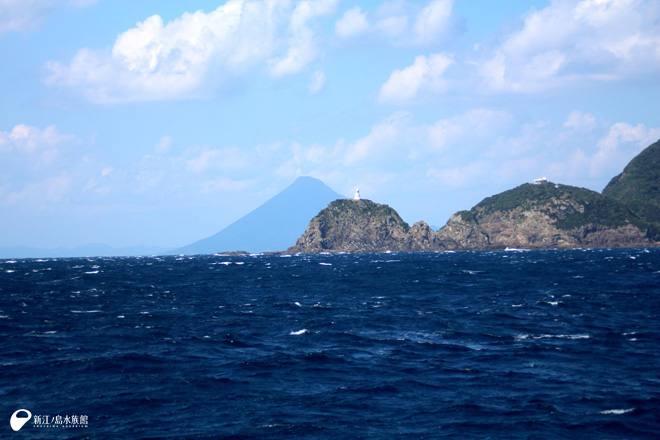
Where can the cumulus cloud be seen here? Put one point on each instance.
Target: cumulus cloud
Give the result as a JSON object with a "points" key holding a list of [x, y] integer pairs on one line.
{"points": [[402, 23], [621, 133], [22, 15], [424, 75], [302, 46], [26, 139], [434, 23], [621, 143], [574, 42], [352, 23], [178, 59]]}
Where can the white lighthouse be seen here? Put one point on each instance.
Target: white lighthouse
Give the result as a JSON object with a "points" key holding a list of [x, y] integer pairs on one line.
{"points": [[357, 194]]}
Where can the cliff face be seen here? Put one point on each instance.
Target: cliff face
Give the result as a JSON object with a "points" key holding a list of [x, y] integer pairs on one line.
{"points": [[545, 216], [362, 226]]}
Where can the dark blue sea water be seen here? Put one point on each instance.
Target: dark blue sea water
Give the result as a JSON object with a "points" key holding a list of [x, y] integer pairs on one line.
{"points": [[475, 345]]}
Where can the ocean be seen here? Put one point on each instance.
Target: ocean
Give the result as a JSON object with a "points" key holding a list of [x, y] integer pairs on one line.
{"points": [[469, 345]]}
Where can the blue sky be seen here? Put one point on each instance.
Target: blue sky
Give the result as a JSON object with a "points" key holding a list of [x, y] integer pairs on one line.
{"points": [[160, 122]]}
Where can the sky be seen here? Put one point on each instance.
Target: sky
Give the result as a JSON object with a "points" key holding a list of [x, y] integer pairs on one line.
{"points": [[160, 122]]}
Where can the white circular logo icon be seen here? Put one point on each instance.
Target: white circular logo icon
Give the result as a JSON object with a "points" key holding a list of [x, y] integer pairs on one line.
{"points": [[17, 422]]}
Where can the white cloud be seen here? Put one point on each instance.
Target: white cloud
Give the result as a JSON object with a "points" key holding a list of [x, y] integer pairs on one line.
{"points": [[32, 140], [216, 159], [384, 143], [573, 42], [424, 75], [164, 145], [179, 59], [53, 189], [402, 23], [43, 166], [460, 176], [434, 23], [353, 22], [23, 15], [579, 121], [302, 46], [622, 132], [615, 146], [471, 125], [317, 82], [619, 145], [398, 139]]}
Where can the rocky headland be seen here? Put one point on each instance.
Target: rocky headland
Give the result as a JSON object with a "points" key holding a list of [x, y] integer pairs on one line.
{"points": [[543, 215], [348, 225]]}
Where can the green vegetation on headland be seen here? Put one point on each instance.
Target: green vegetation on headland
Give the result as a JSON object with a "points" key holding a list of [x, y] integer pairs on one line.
{"points": [[640, 180], [594, 208], [362, 208]]}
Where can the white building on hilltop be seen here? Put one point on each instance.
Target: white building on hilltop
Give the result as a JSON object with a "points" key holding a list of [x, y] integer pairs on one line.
{"points": [[540, 181], [357, 194]]}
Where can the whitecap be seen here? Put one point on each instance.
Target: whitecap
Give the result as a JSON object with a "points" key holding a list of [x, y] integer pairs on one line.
{"points": [[325, 264], [297, 303], [10, 271], [299, 332], [86, 311], [617, 411], [526, 336], [92, 272]]}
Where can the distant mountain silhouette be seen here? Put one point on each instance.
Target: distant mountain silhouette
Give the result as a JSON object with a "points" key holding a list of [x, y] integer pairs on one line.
{"points": [[273, 226]]}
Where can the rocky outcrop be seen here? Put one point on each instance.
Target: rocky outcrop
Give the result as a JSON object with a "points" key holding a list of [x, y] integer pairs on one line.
{"points": [[546, 216], [362, 226], [462, 232], [421, 238]]}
